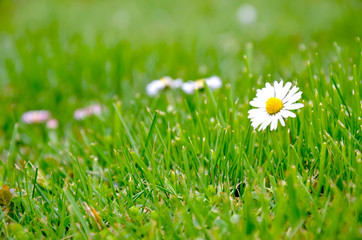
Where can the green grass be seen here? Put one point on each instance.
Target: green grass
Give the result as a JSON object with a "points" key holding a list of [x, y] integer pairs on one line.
{"points": [[197, 170]]}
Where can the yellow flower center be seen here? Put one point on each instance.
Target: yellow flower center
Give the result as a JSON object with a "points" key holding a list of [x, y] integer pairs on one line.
{"points": [[273, 105], [164, 81], [199, 84]]}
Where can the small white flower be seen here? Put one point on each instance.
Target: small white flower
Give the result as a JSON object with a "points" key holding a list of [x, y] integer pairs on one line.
{"points": [[246, 14], [83, 113], [213, 82], [170, 108], [156, 86], [39, 116], [272, 104]]}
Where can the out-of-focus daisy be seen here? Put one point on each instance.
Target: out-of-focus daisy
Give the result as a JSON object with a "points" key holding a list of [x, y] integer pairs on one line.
{"points": [[213, 82], [52, 123], [156, 86], [83, 113], [246, 14], [38, 116], [274, 103]]}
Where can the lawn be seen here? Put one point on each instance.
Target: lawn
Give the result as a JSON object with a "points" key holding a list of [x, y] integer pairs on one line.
{"points": [[175, 165]]}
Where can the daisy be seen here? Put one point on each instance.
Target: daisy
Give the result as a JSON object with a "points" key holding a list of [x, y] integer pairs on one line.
{"points": [[213, 82], [83, 113], [52, 123], [246, 14], [38, 116], [272, 104], [156, 86]]}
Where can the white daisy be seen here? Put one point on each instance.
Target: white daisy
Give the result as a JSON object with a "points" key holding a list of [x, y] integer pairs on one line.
{"points": [[213, 82], [52, 123], [156, 86], [246, 14], [272, 104], [82, 113], [38, 116]]}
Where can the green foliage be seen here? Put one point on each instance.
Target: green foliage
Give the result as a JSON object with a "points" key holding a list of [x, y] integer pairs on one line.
{"points": [[176, 165]]}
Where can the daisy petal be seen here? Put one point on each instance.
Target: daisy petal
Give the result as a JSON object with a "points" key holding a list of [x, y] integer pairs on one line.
{"points": [[286, 113], [266, 123], [256, 121], [290, 94], [284, 90], [255, 112], [189, 87], [281, 120], [294, 106], [154, 87], [274, 123], [177, 83], [270, 92], [278, 87], [294, 98], [257, 103], [214, 82]]}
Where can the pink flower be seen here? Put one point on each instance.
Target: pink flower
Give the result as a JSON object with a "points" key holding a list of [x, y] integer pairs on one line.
{"points": [[83, 113], [52, 123], [32, 117]]}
